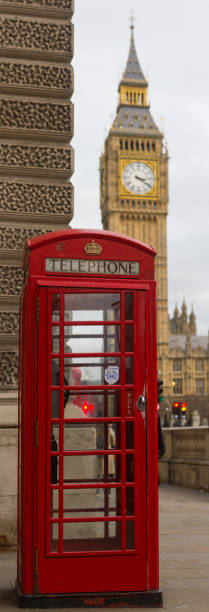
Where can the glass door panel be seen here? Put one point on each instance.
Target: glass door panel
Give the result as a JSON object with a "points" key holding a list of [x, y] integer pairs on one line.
{"points": [[93, 455]]}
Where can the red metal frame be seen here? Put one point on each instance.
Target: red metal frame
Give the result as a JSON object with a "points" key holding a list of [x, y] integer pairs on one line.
{"points": [[36, 570]]}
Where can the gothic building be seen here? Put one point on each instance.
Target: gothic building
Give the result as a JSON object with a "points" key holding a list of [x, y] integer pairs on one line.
{"points": [[134, 198]]}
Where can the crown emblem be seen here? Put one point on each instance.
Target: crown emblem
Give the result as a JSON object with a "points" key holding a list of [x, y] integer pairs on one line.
{"points": [[93, 248]]}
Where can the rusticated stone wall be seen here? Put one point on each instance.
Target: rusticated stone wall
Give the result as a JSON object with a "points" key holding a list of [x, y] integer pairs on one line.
{"points": [[16, 33], [36, 159], [36, 199], [35, 116], [34, 75], [14, 237]]}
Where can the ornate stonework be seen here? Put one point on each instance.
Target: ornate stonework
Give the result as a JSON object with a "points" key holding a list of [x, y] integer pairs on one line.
{"points": [[15, 237], [9, 322], [36, 159], [34, 35], [8, 370], [33, 156], [34, 198], [11, 280], [34, 75], [35, 116]]}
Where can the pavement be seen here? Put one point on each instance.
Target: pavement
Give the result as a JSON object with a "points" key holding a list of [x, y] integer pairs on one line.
{"points": [[184, 553]]}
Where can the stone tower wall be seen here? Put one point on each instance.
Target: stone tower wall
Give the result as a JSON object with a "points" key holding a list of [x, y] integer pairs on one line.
{"points": [[36, 159], [138, 217]]}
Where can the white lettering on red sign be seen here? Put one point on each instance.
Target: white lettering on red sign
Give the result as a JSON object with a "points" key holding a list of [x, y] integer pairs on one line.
{"points": [[91, 266]]}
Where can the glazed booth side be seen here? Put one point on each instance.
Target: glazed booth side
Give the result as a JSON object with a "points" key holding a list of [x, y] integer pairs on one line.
{"points": [[88, 467]]}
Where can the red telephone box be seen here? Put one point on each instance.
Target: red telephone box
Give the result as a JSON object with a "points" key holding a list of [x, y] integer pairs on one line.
{"points": [[88, 469]]}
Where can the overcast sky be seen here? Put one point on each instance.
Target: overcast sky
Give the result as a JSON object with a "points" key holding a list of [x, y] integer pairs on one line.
{"points": [[172, 44]]}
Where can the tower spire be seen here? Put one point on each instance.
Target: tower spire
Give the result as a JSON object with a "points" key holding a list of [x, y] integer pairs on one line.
{"points": [[133, 71]]}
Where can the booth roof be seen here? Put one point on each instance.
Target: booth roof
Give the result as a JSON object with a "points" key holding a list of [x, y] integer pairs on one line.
{"points": [[44, 239]]}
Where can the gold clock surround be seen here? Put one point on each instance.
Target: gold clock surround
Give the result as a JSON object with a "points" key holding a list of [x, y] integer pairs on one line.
{"points": [[124, 192]]}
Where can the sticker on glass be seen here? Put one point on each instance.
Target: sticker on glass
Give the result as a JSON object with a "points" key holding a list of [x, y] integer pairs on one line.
{"points": [[111, 375]]}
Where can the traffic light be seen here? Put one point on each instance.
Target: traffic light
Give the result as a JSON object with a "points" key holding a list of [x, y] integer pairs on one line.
{"points": [[176, 408], [183, 407], [87, 408], [160, 397]]}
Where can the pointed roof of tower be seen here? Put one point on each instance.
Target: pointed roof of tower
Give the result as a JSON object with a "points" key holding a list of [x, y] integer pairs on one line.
{"points": [[133, 71]]}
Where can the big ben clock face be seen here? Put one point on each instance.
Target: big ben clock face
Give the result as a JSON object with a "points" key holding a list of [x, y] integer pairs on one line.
{"points": [[138, 178]]}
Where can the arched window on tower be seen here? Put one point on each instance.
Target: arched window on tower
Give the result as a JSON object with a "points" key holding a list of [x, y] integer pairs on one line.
{"points": [[132, 145], [121, 144], [148, 146], [142, 146], [126, 144], [137, 145], [127, 97], [134, 97], [130, 98], [139, 98], [153, 146], [142, 98]]}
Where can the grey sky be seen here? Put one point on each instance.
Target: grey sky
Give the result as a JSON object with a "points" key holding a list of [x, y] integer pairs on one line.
{"points": [[172, 43]]}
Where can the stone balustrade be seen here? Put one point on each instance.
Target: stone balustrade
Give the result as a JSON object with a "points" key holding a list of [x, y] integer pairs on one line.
{"points": [[186, 460]]}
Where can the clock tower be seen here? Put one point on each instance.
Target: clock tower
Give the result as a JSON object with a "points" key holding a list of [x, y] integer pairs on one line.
{"points": [[134, 180]]}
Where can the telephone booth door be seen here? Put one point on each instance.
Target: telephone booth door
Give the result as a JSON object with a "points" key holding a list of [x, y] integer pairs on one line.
{"points": [[91, 456]]}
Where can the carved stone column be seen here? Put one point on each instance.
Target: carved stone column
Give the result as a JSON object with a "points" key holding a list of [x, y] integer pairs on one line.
{"points": [[36, 159]]}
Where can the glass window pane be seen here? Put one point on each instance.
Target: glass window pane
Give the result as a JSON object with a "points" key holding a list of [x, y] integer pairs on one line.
{"points": [[54, 503], [129, 306], [129, 339], [86, 436], [129, 370], [129, 468], [77, 374], [92, 338], [130, 501], [55, 437], [55, 339], [54, 469], [78, 503], [92, 307], [55, 379], [130, 434], [130, 535], [91, 468], [92, 536], [93, 404], [54, 540], [55, 307], [55, 404]]}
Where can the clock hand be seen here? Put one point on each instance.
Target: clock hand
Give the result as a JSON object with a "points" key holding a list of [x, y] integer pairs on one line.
{"points": [[142, 179], [139, 178]]}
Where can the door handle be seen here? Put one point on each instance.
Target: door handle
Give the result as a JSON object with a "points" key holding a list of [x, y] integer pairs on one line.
{"points": [[141, 403]]}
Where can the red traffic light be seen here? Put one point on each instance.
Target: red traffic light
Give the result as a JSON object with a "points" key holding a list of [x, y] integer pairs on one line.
{"points": [[183, 406], [176, 408], [88, 408]]}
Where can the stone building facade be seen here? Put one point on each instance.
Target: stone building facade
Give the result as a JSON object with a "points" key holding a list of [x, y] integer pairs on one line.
{"points": [[134, 194], [36, 159]]}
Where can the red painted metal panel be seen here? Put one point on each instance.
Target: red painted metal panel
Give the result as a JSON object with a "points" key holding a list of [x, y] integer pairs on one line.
{"points": [[88, 570]]}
